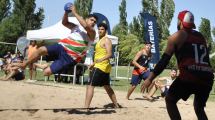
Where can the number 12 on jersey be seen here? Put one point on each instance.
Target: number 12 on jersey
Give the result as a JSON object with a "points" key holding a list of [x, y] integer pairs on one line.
{"points": [[200, 53]]}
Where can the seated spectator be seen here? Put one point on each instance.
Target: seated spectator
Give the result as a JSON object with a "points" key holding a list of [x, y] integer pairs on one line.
{"points": [[8, 58], [8, 55], [163, 84], [1, 63], [13, 72]]}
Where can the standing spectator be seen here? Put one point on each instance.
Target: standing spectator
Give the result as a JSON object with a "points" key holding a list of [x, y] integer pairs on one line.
{"points": [[31, 49]]}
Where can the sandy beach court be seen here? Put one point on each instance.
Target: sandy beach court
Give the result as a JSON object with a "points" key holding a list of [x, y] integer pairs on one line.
{"points": [[31, 101]]}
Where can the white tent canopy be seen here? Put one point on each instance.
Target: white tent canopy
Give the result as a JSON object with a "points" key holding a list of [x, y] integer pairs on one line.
{"points": [[57, 32]]}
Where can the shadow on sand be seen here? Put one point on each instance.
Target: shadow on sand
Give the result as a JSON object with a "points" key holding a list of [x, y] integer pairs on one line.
{"points": [[107, 109]]}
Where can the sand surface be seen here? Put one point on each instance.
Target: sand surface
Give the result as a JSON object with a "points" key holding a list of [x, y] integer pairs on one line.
{"points": [[30, 101]]}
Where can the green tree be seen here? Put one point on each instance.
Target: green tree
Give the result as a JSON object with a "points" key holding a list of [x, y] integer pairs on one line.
{"points": [[166, 15], [6, 35], [127, 49], [167, 10], [205, 29], [117, 32], [23, 14], [4, 9], [123, 15], [213, 31], [212, 60], [84, 7], [121, 31], [22, 18], [135, 26]]}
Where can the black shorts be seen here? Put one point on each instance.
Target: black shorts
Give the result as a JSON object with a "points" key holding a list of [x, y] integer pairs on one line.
{"points": [[99, 78], [182, 89], [164, 93], [19, 76]]}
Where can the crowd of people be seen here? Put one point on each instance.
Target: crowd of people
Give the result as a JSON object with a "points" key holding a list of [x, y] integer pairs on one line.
{"points": [[9, 71], [189, 46], [12, 73]]}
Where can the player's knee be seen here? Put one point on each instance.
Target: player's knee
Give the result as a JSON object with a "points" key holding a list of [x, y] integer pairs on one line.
{"points": [[42, 50], [47, 72], [108, 88], [133, 85]]}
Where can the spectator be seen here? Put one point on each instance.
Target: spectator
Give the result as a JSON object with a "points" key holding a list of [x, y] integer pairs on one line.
{"points": [[13, 72], [33, 47], [162, 83]]}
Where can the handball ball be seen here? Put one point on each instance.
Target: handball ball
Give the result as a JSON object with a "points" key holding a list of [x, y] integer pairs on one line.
{"points": [[67, 7]]}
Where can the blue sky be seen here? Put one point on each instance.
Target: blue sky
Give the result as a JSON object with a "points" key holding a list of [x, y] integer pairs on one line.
{"points": [[110, 8]]}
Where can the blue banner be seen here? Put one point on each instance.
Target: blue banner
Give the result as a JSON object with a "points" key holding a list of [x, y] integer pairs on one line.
{"points": [[103, 19], [151, 34]]}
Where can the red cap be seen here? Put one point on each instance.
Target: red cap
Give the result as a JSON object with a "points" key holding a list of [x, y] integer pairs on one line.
{"points": [[187, 19]]}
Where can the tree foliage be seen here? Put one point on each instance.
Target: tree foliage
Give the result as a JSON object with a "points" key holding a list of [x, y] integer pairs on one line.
{"points": [[22, 18], [213, 31], [134, 27], [4, 9], [127, 51], [23, 14], [121, 31], [123, 15], [212, 60], [83, 7], [121, 37], [166, 15], [163, 13], [205, 29]]}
